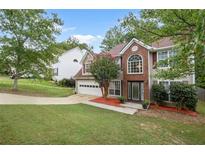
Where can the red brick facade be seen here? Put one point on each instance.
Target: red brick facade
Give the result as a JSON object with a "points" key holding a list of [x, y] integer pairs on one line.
{"points": [[135, 77], [149, 61]]}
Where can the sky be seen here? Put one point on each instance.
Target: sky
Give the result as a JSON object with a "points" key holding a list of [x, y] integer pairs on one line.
{"points": [[89, 26]]}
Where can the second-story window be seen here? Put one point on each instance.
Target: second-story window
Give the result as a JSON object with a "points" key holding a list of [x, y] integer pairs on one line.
{"points": [[163, 55], [118, 62], [87, 66], [135, 64]]}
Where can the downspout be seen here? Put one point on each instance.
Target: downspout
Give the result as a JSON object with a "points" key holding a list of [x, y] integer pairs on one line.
{"points": [[149, 75]]}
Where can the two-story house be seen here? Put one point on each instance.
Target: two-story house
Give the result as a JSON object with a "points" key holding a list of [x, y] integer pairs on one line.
{"points": [[138, 64], [68, 64]]}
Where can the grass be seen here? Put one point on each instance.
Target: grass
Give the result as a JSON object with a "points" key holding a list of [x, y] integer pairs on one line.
{"points": [[201, 107], [34, 88], [82, 124]]}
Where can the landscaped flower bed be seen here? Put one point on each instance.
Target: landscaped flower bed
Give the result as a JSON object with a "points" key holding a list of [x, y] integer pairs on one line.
{"points": [[182, 98], [173, 109], [107, 101]]}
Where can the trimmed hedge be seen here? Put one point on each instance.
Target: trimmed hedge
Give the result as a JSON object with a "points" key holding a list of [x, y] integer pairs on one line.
{"points": [[66, 82], [184, 95], [159, 94]]}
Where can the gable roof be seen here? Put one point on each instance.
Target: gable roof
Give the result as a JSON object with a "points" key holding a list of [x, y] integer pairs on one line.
{"points": [[116, 50], [85, 55], [80, 76], [163, 43], [136, 41], [119, 49]]}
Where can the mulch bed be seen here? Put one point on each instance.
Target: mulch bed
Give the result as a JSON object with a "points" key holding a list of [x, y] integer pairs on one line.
{"points": [[173, 116], [174, 109], [107, 101]]}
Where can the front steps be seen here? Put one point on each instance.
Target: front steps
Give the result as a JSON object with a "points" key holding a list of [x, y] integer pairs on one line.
{"points": [[132, 105]]}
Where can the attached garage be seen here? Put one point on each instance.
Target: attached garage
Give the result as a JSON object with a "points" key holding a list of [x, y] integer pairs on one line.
{"points": [[89, 87]]}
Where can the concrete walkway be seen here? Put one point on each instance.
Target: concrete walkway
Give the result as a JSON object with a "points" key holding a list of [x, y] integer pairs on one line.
{"points": [[125, 110], [9, 99], [20, 99]]}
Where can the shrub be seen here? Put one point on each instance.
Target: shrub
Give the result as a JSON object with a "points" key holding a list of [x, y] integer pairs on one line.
{"points": [[184, 95], [122, 99], [159, 93], [66, 82], [145, 104]]}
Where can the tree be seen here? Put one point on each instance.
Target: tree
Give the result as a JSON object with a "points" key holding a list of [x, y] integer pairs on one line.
{"points": [[113, 37], [27, 42], [124, 32], [72, 43], [186, 28], [104, 69]]}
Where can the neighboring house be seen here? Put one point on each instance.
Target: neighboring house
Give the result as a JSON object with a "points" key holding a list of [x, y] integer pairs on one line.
{"points": [[68, 64], [138, 65]]}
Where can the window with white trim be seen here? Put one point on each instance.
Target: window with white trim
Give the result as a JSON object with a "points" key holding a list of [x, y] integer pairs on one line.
{"points": [[135, 64], [118, 61], [165, 84], [163, 55], [55, 71], [87, 66], [114, 88], [172, 53]]}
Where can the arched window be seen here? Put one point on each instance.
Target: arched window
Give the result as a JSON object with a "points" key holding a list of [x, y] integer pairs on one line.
{"points": [[75, 60], [135, 64]]}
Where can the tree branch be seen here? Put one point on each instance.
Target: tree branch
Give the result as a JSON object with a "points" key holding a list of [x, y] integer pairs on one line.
{"points": [[160, 35], [183, 19]]}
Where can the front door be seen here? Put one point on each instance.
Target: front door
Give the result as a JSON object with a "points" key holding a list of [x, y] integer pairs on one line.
{"points": [[135, 90]]}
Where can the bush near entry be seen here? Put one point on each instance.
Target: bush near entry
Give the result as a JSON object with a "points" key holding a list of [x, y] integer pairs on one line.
{"points": [[159, 93], [66, 82], [184, 95]]}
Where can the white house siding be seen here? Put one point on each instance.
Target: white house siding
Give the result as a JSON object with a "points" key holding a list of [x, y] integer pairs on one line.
{"points": [[66, 66]]}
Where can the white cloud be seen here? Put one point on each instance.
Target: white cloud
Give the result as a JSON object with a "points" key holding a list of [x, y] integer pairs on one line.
{"points": [[89, 39], [66, 29]]}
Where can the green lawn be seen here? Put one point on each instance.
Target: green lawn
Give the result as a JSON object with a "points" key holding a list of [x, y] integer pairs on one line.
{"points": [[201, 107], [82, 124], [34, 87]]}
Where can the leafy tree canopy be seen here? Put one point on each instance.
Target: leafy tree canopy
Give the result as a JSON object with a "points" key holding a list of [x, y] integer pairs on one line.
{"points": [[186, 28], [71, 43], [27, 42], [104, 69], [124, 32]]}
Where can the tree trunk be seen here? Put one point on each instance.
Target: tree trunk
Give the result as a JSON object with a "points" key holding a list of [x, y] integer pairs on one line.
{"points": [[102, 91], [15, 83], [106, 86]]}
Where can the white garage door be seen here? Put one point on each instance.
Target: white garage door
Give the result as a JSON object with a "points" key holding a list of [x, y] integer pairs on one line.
{"points": [[88, 87]]}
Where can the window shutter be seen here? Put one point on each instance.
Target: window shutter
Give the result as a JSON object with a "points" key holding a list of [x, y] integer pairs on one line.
{"points": [[83, 68], [154, 58]]}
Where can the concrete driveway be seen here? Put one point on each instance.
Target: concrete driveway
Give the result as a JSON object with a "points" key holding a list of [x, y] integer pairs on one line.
{"points": [[20, 99], [9, 99]]}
